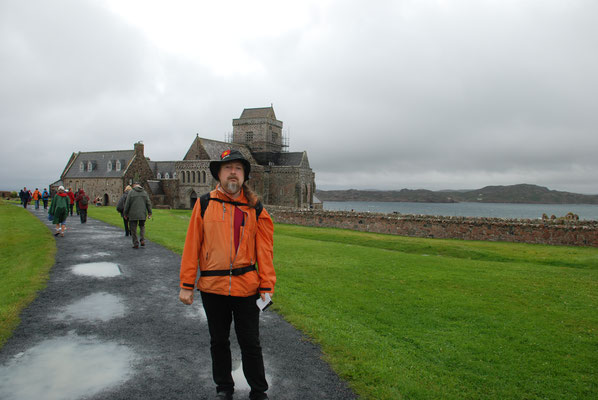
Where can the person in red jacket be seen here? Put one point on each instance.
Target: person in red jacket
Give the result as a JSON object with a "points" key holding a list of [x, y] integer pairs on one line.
{"points": [[227, 239], [82, 201], [71, 196]]}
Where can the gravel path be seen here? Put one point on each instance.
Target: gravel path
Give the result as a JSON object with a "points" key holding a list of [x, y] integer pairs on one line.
{"points": [[109, 325]]}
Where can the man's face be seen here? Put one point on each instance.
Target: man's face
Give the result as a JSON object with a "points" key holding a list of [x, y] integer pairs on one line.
{"points": [[231, 177]]}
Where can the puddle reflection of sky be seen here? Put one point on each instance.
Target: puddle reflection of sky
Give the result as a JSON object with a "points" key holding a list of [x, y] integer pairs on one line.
{"points": [[96, 307], [97, 269], [68, 367]]}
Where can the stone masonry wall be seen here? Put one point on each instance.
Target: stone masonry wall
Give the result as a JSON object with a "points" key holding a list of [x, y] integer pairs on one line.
{"points": [[574, 233]]}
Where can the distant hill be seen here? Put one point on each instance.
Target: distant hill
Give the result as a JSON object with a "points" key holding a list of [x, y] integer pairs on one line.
{"points": [[522, 193]]}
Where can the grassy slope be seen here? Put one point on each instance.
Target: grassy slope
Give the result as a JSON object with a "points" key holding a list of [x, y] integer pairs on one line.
{"points": [[419, 318], [27, 253]]}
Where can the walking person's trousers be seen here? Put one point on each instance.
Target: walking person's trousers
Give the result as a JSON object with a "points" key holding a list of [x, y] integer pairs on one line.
{"points": [[133, 228]]}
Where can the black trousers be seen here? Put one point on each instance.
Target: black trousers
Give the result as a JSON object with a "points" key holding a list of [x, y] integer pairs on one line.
{"points": [[220, 311], [83, 215], [126, 222]]}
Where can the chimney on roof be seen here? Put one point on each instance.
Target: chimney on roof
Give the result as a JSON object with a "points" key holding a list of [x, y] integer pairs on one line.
{"points": [[139, 149]]}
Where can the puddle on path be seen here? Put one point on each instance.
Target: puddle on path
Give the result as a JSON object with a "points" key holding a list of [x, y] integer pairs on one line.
{"points": [[68, 367], [97, 269], [94, 255], [239, 377], [96, 307]]}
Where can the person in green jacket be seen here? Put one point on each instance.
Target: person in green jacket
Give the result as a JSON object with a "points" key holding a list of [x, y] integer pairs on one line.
{"points": [[138, 207], [59, 211]]}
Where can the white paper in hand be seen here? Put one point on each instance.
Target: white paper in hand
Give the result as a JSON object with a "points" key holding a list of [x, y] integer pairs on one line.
{"points": [[263, 304]]}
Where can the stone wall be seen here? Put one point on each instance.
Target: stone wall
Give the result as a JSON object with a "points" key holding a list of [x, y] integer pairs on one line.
{"points": [[108, 189], [574, 233]]}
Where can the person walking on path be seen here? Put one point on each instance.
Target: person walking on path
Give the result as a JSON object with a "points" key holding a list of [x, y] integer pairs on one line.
{"points": [[45, 198], [137, 208], [226, 236], [25, 197], [82, 201], [71, 196], [120, 207], [59, 211], [36, 197]]}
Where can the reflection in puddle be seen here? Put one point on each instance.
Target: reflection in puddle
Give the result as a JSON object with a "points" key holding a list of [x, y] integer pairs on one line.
{"points": [[98, 306], [98, 269], [98, 254], [67, 367], [239, 377]]}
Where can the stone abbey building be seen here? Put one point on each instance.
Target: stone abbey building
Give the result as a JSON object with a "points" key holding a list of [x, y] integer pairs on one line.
{"points": [[278, 176]]}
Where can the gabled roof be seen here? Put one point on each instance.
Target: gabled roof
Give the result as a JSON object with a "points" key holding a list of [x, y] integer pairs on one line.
{"points": [[214, 148], [163, 167], [99, 161], [264, 112], [294, 159]]}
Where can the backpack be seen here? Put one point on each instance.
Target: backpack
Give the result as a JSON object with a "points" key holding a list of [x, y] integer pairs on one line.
{"points": [[204, 201], [84, 201]]}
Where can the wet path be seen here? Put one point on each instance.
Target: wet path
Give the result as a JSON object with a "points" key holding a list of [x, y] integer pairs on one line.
{"points": [[109, 326]]}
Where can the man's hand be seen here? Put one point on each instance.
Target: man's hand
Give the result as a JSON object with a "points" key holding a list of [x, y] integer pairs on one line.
{"points": [[263, 296], [186, 296]]}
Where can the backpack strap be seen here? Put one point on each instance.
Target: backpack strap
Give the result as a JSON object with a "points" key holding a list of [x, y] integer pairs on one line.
{"points": [[204, 201]]}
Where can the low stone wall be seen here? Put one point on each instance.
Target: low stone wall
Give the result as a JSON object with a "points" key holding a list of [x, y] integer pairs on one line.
{"points": [[559, 232]]}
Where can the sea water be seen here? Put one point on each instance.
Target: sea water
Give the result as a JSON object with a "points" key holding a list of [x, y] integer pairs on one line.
{"points": [[465, 209]]}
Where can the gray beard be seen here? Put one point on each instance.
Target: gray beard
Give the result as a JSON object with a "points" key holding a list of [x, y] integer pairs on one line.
{"points": [[232, 187]]}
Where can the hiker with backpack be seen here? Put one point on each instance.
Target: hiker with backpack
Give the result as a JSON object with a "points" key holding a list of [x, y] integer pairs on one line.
{"points": [[138, 207], [82, 201], [45, 198], [229, 233]]}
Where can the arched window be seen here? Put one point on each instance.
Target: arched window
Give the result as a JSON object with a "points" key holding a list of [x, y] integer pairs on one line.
{"points": [[183, 177], [203, 176], [159, 176], [110, 165], [118, 166], [174, 175], [166, 175], [193, 176], [81, 167], [188, 177], [89, 166]]}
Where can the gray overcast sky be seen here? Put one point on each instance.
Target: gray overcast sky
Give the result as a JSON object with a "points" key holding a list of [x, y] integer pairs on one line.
{"points": [[442, 94]]}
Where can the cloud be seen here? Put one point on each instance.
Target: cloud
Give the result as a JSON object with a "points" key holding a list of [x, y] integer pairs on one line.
{"points": [[391, 94]]}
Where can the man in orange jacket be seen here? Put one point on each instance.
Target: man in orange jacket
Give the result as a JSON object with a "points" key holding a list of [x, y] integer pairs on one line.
{"points": [[227, 239]]}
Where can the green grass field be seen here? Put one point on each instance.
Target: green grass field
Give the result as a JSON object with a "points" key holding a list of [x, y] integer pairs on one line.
{"points": [[27, 253], [410, 318]]}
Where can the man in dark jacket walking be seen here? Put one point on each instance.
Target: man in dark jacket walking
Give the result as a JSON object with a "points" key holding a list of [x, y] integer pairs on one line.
{"points": [[138, 207], [25, 197]]}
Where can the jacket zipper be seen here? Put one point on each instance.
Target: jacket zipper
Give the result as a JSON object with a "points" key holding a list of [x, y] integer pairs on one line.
{"points": [[232, 243]]}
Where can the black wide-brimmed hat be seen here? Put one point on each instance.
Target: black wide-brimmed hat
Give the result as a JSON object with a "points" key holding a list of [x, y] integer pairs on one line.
{"points": [[228, 156]]}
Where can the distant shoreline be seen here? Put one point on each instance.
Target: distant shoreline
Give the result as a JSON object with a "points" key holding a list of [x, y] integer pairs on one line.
{"points": [[514, 194]]}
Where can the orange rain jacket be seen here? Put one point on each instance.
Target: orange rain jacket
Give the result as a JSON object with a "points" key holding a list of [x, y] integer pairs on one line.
{"points": [[210, 242]]}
